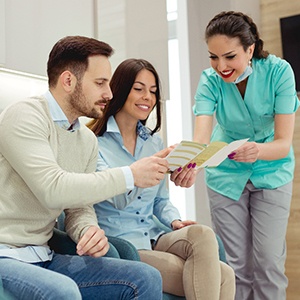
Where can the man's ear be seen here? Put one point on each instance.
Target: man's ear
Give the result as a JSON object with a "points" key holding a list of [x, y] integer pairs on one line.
{"points": [[68, 81]]}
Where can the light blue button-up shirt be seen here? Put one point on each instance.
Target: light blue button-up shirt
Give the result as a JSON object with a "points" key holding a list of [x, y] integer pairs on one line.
{"points": [[270, 90], [130, 215]]}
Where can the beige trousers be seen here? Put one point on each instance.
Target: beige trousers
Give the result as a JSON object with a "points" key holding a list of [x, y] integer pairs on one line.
{"points": [[188, 261]]}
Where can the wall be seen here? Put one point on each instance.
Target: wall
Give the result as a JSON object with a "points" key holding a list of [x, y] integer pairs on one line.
{"points": [[33, 26], [2, 33], [29, 29], [271, 12], [128, 26]]}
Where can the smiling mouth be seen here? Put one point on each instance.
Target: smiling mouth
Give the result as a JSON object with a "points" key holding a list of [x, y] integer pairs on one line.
{"points": [[143, 107], [226, 74]]}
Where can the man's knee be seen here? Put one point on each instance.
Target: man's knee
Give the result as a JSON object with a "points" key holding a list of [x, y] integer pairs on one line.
{"points": [[149, 283], [151, 273], [66, 289], [71, 291]]}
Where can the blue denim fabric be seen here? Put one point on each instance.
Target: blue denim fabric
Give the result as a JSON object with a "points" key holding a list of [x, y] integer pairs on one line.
{"points": [[75, 277]]}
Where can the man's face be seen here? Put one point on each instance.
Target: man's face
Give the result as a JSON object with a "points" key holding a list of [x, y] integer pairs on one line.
{"points": [[92, 93]]}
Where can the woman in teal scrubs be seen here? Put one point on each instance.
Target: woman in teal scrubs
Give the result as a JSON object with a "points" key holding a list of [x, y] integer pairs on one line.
{"points": [[252, 95]]}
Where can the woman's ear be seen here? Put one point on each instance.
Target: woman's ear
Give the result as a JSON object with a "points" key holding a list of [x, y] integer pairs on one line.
{"points": [[68, 81], [251, 50]]}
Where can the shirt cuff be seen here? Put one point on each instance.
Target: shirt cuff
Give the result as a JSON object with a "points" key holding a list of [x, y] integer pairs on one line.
{"points": [[128, 178]]}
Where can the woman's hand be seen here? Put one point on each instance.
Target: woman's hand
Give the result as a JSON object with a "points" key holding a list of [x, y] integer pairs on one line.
{"points": [[276, 149], [185, 177], [248, 152], [177, 224]]}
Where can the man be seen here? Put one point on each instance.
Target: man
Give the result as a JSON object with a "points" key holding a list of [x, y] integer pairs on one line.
{"points": [[47, 164]]}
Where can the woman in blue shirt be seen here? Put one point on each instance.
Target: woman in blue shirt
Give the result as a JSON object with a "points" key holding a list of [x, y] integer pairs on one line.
{"points": [[252, 94], [187, 257]]}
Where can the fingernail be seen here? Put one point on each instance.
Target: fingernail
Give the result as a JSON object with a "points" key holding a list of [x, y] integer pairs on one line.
{"points": [[189, 166], [194, 165], [231, 155], [179, 169]]}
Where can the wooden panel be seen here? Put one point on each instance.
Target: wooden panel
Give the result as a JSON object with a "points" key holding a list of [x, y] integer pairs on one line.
{"points": [[271, 12], [293, 232]]}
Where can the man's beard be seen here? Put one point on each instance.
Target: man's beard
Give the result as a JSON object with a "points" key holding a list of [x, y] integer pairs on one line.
{"points": [[79, 102]]}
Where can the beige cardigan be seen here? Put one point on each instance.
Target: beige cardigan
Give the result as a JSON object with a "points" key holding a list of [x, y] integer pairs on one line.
{"points": [[45, 169]]}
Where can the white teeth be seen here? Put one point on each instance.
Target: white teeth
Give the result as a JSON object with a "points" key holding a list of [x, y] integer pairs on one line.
{"points": [[143, 106], [226, 72]]}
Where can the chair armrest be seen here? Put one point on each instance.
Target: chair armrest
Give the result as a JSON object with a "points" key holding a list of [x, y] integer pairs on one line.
{"points": [[222, 253], [125, 249], [61, 243]]}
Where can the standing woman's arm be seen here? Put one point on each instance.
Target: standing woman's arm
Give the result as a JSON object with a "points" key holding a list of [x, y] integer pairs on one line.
{"points": [[277, 149], [203, 129]]}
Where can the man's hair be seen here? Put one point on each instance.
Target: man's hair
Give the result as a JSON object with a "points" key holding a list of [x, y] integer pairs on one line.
{"points": [[72, 53]]}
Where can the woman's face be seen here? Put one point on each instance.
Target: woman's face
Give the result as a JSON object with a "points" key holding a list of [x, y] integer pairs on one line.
{"points": [[227, 56], [142, 98]]}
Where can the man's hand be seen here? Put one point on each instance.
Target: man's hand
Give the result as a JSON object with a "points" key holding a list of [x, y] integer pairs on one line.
{"points": [[185, 177], [149, 171], [177, 224], [93, 243], [164, 152]]}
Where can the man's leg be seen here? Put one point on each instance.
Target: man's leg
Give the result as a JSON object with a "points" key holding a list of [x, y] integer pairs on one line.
{"points": [[25, 281], [109, 278]]}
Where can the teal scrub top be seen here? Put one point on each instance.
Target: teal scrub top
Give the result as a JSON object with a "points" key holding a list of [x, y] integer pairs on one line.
{"points": [[270, 90]]}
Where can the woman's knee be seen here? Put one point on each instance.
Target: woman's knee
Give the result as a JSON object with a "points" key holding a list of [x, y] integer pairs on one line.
{"points": [[201, 234], [227, 282], [227, 273]]}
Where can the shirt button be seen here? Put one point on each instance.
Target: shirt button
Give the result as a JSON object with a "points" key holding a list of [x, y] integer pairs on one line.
{"points": [[142, 220], [137, 212], [146, 233], [139, 197]]}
